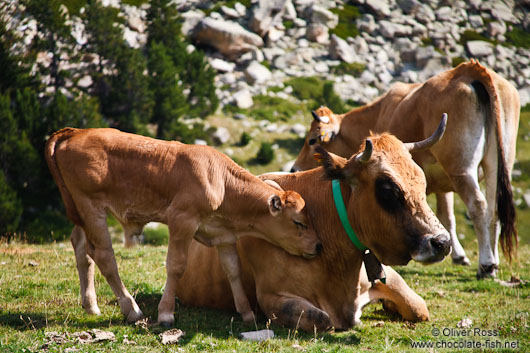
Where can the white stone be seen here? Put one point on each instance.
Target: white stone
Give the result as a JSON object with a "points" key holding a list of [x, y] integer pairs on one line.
{"points": [[479, 48], [221, 65], [379, 7], [340, 49], [321, 67], [221, 135], [322, 15], [266, 14], [190, 19], [243, 99], [257, 73]]}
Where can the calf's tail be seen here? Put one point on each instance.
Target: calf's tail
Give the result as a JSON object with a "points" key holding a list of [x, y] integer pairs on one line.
{"points": [[49, 152]]}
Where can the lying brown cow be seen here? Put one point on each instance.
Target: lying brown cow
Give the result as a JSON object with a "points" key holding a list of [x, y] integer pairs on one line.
{"points": [[198, 192], [384, 193], [480, 139]]}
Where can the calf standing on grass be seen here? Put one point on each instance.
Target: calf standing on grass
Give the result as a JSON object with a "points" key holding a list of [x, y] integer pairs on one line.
{"points": [[197, 191]]}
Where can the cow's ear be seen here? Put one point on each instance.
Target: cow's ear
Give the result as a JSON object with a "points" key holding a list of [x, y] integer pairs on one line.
{"points": [[333, 164], [275, 205]]}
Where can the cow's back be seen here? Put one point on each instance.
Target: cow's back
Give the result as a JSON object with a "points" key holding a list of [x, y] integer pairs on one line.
{"points": [[139, 178]]}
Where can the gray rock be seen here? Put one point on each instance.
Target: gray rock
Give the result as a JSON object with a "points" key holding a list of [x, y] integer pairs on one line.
{"points": [[524, 95], [380, 8], [243, 99], [476, 21], [390, 30], [496, 29], [321, 15], [366, 23], [424, 54], [221, 135], [257, 73], [433, 67], [230, 12], [444, 13], [424, 14], [502, 11], [479, 48], [261, 335], [317, 32], [226, 36], [266, 14], [340, 49], [408, 6], [190, 19], [240, 8], [221, 65], [299, 129], [321, 67]]}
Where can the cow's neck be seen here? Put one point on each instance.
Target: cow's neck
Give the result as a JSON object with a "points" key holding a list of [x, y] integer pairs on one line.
{"points": [[357, 124]]}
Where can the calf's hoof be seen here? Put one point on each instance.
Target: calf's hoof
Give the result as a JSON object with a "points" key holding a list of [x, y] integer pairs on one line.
{"points": [[248, 316], [134, 316], [487, 271], [461, 260]]}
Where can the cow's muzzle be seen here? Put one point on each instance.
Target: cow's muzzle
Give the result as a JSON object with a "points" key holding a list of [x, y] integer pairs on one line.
{"points": [[433, 248]]}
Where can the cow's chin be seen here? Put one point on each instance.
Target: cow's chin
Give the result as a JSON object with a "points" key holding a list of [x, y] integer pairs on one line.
{"points": [[394, 260], [428, 259]]}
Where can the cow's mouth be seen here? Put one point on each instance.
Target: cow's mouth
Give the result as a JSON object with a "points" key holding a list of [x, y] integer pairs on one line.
{"points": [[309, 256]]}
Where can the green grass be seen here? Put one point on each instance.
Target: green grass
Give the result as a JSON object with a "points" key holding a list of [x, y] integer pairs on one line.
{"points": [[518, 38], [347, 18], [38, 299]]}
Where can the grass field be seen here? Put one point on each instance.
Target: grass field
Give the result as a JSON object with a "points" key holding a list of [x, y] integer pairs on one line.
{"points": [[39, 294]]}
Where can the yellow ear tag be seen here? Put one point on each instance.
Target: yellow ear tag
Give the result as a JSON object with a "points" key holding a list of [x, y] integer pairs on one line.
{"points": [[318, 157], [324, 136]]}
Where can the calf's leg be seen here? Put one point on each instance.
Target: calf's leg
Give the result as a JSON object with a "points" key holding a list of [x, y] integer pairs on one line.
{"points": [[85, 269], [446, 214], [229, 259], [99, 248], [181, 232]]}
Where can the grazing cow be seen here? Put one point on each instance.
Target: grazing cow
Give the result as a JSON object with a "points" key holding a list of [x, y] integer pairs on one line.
{"points": [[479, 142], [198, 192], [384, 193]]}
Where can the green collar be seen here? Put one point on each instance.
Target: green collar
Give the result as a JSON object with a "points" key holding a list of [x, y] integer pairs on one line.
{"points": [[343, 215]]}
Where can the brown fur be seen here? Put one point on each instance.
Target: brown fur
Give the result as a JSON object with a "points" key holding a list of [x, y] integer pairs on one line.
{"points": [[195, 190], [331, 289]]}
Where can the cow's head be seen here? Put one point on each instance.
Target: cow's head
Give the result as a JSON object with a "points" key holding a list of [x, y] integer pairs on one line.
{"points": [[324, 129], [388, 206], [287, 225]]}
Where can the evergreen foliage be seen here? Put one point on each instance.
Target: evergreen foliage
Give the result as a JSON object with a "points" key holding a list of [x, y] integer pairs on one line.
{"points": [[159, 84]]}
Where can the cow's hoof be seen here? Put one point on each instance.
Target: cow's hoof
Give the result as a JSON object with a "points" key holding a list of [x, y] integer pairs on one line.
{"points": [[248, 317], [461, 260], [487, 271], [134, 316], [165, 324], [166, 320], [92, 310]]}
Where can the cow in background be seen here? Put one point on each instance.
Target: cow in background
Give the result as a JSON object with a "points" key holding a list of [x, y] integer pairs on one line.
{"points": [[384, 194], [480, 142], [197, 191]]}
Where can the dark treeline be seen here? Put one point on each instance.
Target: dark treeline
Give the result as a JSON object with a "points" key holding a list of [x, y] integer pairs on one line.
{"points": [[129, 89]]}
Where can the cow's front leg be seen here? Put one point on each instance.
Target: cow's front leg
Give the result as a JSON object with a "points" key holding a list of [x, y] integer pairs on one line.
{"points": [[294, 312], [181, 233], [446, 214], [232, 266], [85, 269]]}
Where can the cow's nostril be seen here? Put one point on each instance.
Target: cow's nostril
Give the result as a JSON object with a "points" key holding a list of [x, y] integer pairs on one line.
{"points": [[318, 248], [440, 242]]}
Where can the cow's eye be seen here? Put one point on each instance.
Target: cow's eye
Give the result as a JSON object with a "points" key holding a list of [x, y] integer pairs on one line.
{"points": [[312, 142], [388, 194], [299, 224]]}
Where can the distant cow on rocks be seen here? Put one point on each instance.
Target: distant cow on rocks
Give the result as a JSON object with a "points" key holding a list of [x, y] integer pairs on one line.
{"points": [[198, 192], [479, 143]]}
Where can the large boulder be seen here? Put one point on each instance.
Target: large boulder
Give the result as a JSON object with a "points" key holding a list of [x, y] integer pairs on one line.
{"points": [[319, 14], [226, 36], [266, 14]]}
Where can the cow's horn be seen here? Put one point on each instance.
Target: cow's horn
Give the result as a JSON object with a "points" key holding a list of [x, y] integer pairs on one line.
{"points": [[431, 140], [365, 156], [315, 115]]}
